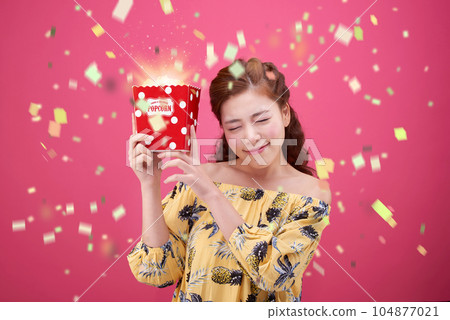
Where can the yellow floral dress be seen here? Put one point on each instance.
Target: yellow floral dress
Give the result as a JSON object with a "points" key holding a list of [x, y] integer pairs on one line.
{"points": [[264, 260]]}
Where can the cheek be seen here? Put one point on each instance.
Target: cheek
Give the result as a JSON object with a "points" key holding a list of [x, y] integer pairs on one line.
{"points": [[273, 131]]}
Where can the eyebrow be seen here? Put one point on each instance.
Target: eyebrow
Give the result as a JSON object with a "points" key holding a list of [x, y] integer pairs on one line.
{"points": [[253, 115]]}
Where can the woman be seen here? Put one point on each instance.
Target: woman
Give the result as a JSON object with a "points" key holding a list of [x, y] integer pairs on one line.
{"points": [[229, 233]]}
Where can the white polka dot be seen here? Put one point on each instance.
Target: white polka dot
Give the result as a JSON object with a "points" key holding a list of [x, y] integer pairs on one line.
{"points": [[172, 145], [196, 94], [192, 115], [191, 96], [195, 122], [183, 104], [183, 130], [168, 90], [141, 95], [138, 113], [174, 120], [189, 142]]}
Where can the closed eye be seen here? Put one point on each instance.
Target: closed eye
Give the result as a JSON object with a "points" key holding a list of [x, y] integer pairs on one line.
{"points": [[256, 121]]}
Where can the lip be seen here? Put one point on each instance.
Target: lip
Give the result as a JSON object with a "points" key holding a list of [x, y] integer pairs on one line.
{"points": [[259, 150]]}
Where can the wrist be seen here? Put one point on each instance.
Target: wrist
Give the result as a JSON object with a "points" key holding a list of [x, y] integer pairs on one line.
{"points": [[146, 185], [213, 195]]}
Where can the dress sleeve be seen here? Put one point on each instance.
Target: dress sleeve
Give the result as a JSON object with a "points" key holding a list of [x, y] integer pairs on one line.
{"points": [[163, 266], [276, 260]]}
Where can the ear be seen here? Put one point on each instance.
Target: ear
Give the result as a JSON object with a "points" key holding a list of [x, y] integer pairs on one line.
{"points": [[286, 114]]}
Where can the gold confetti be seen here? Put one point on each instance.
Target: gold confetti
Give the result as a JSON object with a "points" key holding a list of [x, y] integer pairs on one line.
{"points": [[230, 52], [49, 237], [354, 85], [85, 228], [211, 57], [358, 33], [18, 225], [31, 190], [97, 30], [199, 35], [60, 115], [313, 68], [358, 161], [400, 134], [384, 212], [178, 65], [166, 6], [343, 35], [318, 268], [93, 206], [69, 208], [241, 39], [92, 73], [73, 84], [34, 108], [392, 222], [374, 20], [118, 213], [110, 54], [421, 250], [237, 70], [375, 163], [121, 10]]}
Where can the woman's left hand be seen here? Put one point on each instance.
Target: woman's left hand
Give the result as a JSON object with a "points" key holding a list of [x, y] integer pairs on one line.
{"points": [[193, 174]]}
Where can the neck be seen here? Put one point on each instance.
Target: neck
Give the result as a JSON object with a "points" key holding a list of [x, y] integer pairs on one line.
{"points": [[263, 173]]}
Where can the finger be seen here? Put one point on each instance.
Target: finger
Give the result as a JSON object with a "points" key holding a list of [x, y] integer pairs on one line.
{"points": [[176, 163], [134, 153], [139, 137], [142, 160], [142, 149], [139, 163], [175, 177], [174, 154], [149, 161]]}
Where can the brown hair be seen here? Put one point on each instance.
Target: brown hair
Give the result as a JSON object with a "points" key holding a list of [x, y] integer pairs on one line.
{"points": [[265, 79]]}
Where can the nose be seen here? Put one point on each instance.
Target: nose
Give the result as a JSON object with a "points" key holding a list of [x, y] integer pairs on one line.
{"points": [[252, 136]]}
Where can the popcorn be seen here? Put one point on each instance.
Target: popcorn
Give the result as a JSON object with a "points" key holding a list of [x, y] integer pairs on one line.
{"points": [[166, 113]]}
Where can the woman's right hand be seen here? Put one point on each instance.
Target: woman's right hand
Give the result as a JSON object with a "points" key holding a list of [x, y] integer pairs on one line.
{"points": [[144, 162]]}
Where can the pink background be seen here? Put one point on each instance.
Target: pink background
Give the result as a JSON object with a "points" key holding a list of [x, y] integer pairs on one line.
{"points": [[413, 180]]}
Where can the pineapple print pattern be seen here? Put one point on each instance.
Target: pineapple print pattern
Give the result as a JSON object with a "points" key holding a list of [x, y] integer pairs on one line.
{"points": [[257, 255], [263, 260], [191, 255], [222, 275], [251, 194]]}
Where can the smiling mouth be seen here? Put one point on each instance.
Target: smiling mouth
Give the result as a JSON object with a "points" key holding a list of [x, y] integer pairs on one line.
{"points": [[253, 151]]}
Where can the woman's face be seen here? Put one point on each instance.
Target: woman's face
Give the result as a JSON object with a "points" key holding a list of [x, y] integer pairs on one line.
{"points": [[251, 120]]}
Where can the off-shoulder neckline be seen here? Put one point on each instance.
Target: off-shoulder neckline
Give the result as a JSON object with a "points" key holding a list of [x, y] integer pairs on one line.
{"points": [[313, 199]]}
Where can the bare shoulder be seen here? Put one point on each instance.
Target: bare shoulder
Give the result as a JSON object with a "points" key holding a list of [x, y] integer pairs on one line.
{"points": [[320, 190]]}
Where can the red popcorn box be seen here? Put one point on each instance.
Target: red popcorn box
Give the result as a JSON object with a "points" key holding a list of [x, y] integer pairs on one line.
{"points": [[166, 113]]}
